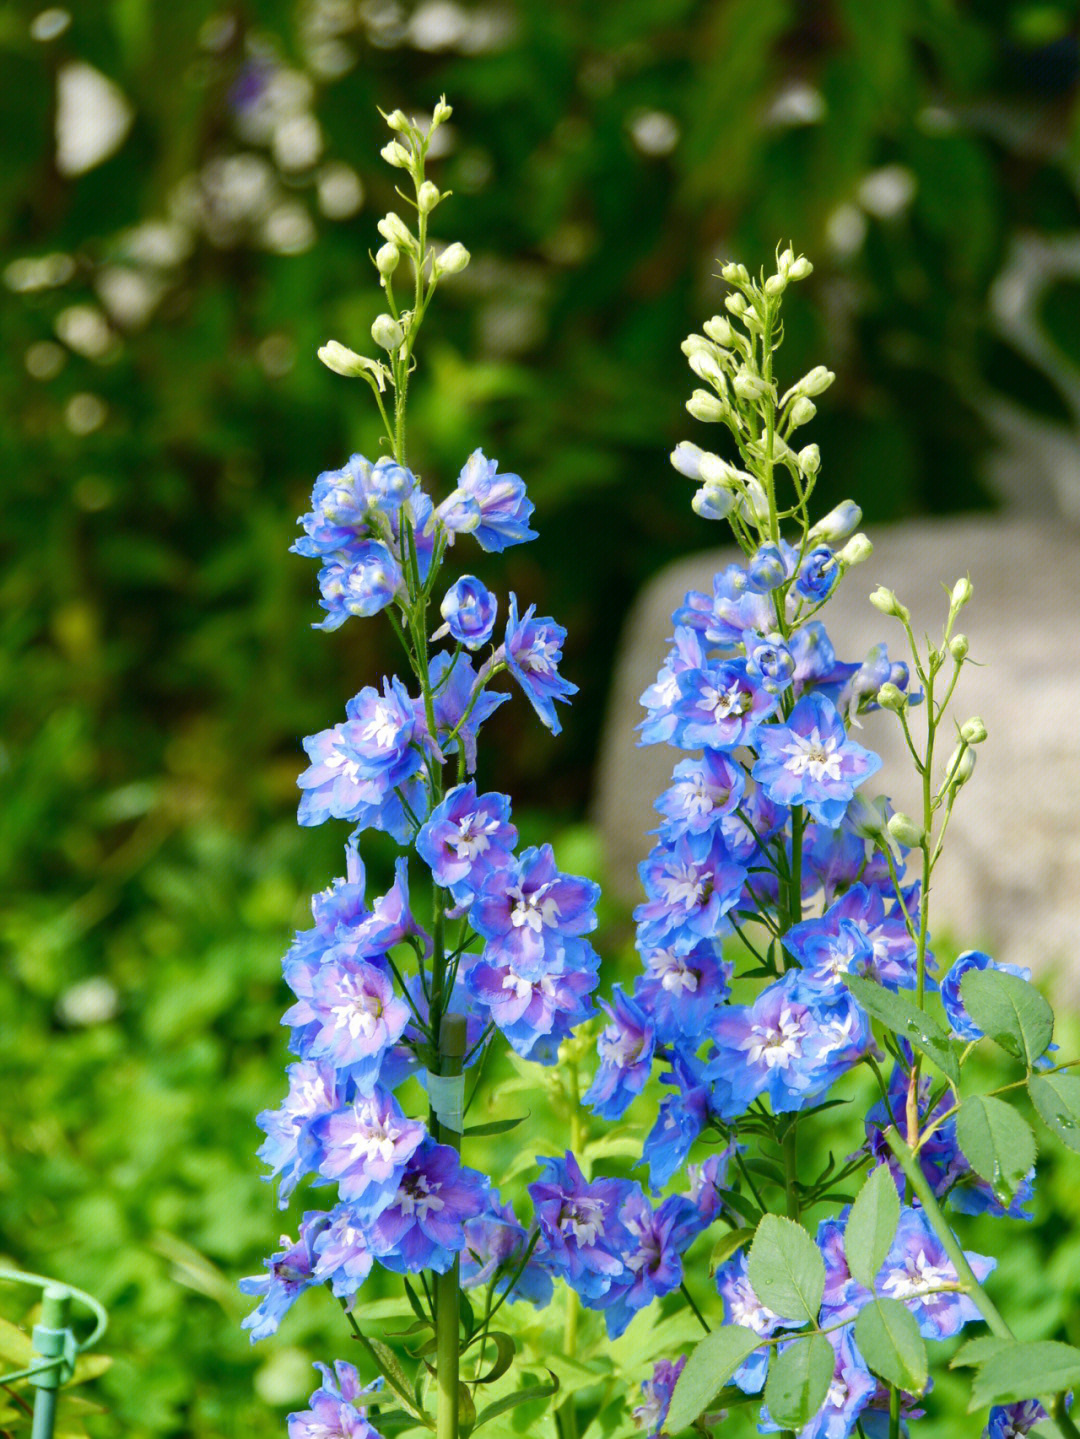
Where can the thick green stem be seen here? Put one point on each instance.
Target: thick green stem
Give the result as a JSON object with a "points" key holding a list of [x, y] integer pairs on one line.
{"points": [[447, 1286]]}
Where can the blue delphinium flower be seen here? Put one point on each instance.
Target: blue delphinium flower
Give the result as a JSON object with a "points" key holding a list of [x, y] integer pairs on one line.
{"points": [[690, 883], [504, 506], [702, 790], [681, 989], [626, 1050], [582, 1236], [652, 1263], [958, 1017], [818, 574], [362, 585], [651, 1414], [850, 1391], [661, 698], [469, 609], [365, 1148], [337, 1409], [809, 760], [720, 706], [359, 1016], [465, 838], [290, 1150], [495, 1245], [916, 1269], [528, 909], [343, 1256], [531, 650], [423, 1225], [1011, 1421], [536, 1013], [290, 1272]]}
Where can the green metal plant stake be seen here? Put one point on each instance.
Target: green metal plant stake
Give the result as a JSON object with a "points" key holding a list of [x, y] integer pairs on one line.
{"points": [[55, 1345]]}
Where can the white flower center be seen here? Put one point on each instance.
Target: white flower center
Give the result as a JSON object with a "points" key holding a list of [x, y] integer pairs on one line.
{"points": [[418, 1197], [619, 1047], [583, 1218], [374, 1138], [724, 703], [472, 836], [673, 972], [359, 1011], [533, 911], [917, 1277], [683, 884], [746, 1308], [810, 754], [776, 1044], [382, 727], [339, 760]]}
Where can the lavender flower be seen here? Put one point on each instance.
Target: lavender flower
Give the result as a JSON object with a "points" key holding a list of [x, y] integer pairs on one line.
{"points": [[810, 761]]}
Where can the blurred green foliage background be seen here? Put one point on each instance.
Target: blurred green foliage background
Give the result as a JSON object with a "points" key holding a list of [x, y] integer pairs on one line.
{"points": [[188, 192]]}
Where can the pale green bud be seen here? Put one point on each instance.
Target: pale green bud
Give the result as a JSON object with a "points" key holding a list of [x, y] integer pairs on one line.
{"points": [[736, 304], [397, 120], [393, 228], [697, 345], [443, 111], [866, 818], [342, 360], [427, 197], [715, 471], [842, 520], [387, 332], [961, 766], [719, 329], [891, 697], [785, 260], [800, 269], [961, 593], [704, 406], [755, 505], [809, 460], [856, 551], [973, 730], [885, 601], [816, 382], [905, 830], [735, 274], [386, 259], [749, 386], [802, 411], [703, 363], [958, 648], [452, 260], [776, 284], [395, 153]]}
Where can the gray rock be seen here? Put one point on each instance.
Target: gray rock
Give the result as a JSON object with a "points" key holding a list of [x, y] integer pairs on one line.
{"points": [[1009, 881]]}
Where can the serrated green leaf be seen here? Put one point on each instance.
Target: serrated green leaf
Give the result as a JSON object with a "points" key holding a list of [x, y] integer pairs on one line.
{"points": [[997, 1142], [707, 1370], [1056, 1098], [786, 1269], [1010, 1011], [1018, 1372], [519, 1396], [871, 1225], [888, 1338], [799, 1379], [907, 1021], [727, 1245]]}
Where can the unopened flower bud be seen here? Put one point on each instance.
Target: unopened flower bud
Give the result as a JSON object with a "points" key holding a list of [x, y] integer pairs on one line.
{"points": [[715, 471], [387, 332], [713, 502], [342, 360], [452, 260], [443, 111], [397, 120], [891, 697], [905, 830], [386, 259], [785, 260], [736, 304], [755, 506], [686, 458], [703, 363], [885, 601], [973, 730], [856, 551], [961, 766], [802, 411], [776, 284], [816, 382], [809, 460], [427, 197], [958, 647], [735, 274], [696, 344], [961, 593], [704, 406], [750, 387], [392, 227], [841, 521], [800, 269], [395, 153], [719, 329], [866, 818]]}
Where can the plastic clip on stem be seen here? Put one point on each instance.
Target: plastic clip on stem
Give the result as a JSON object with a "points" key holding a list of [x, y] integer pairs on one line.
{"points": [[452, 1042], [53, 1341]]}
